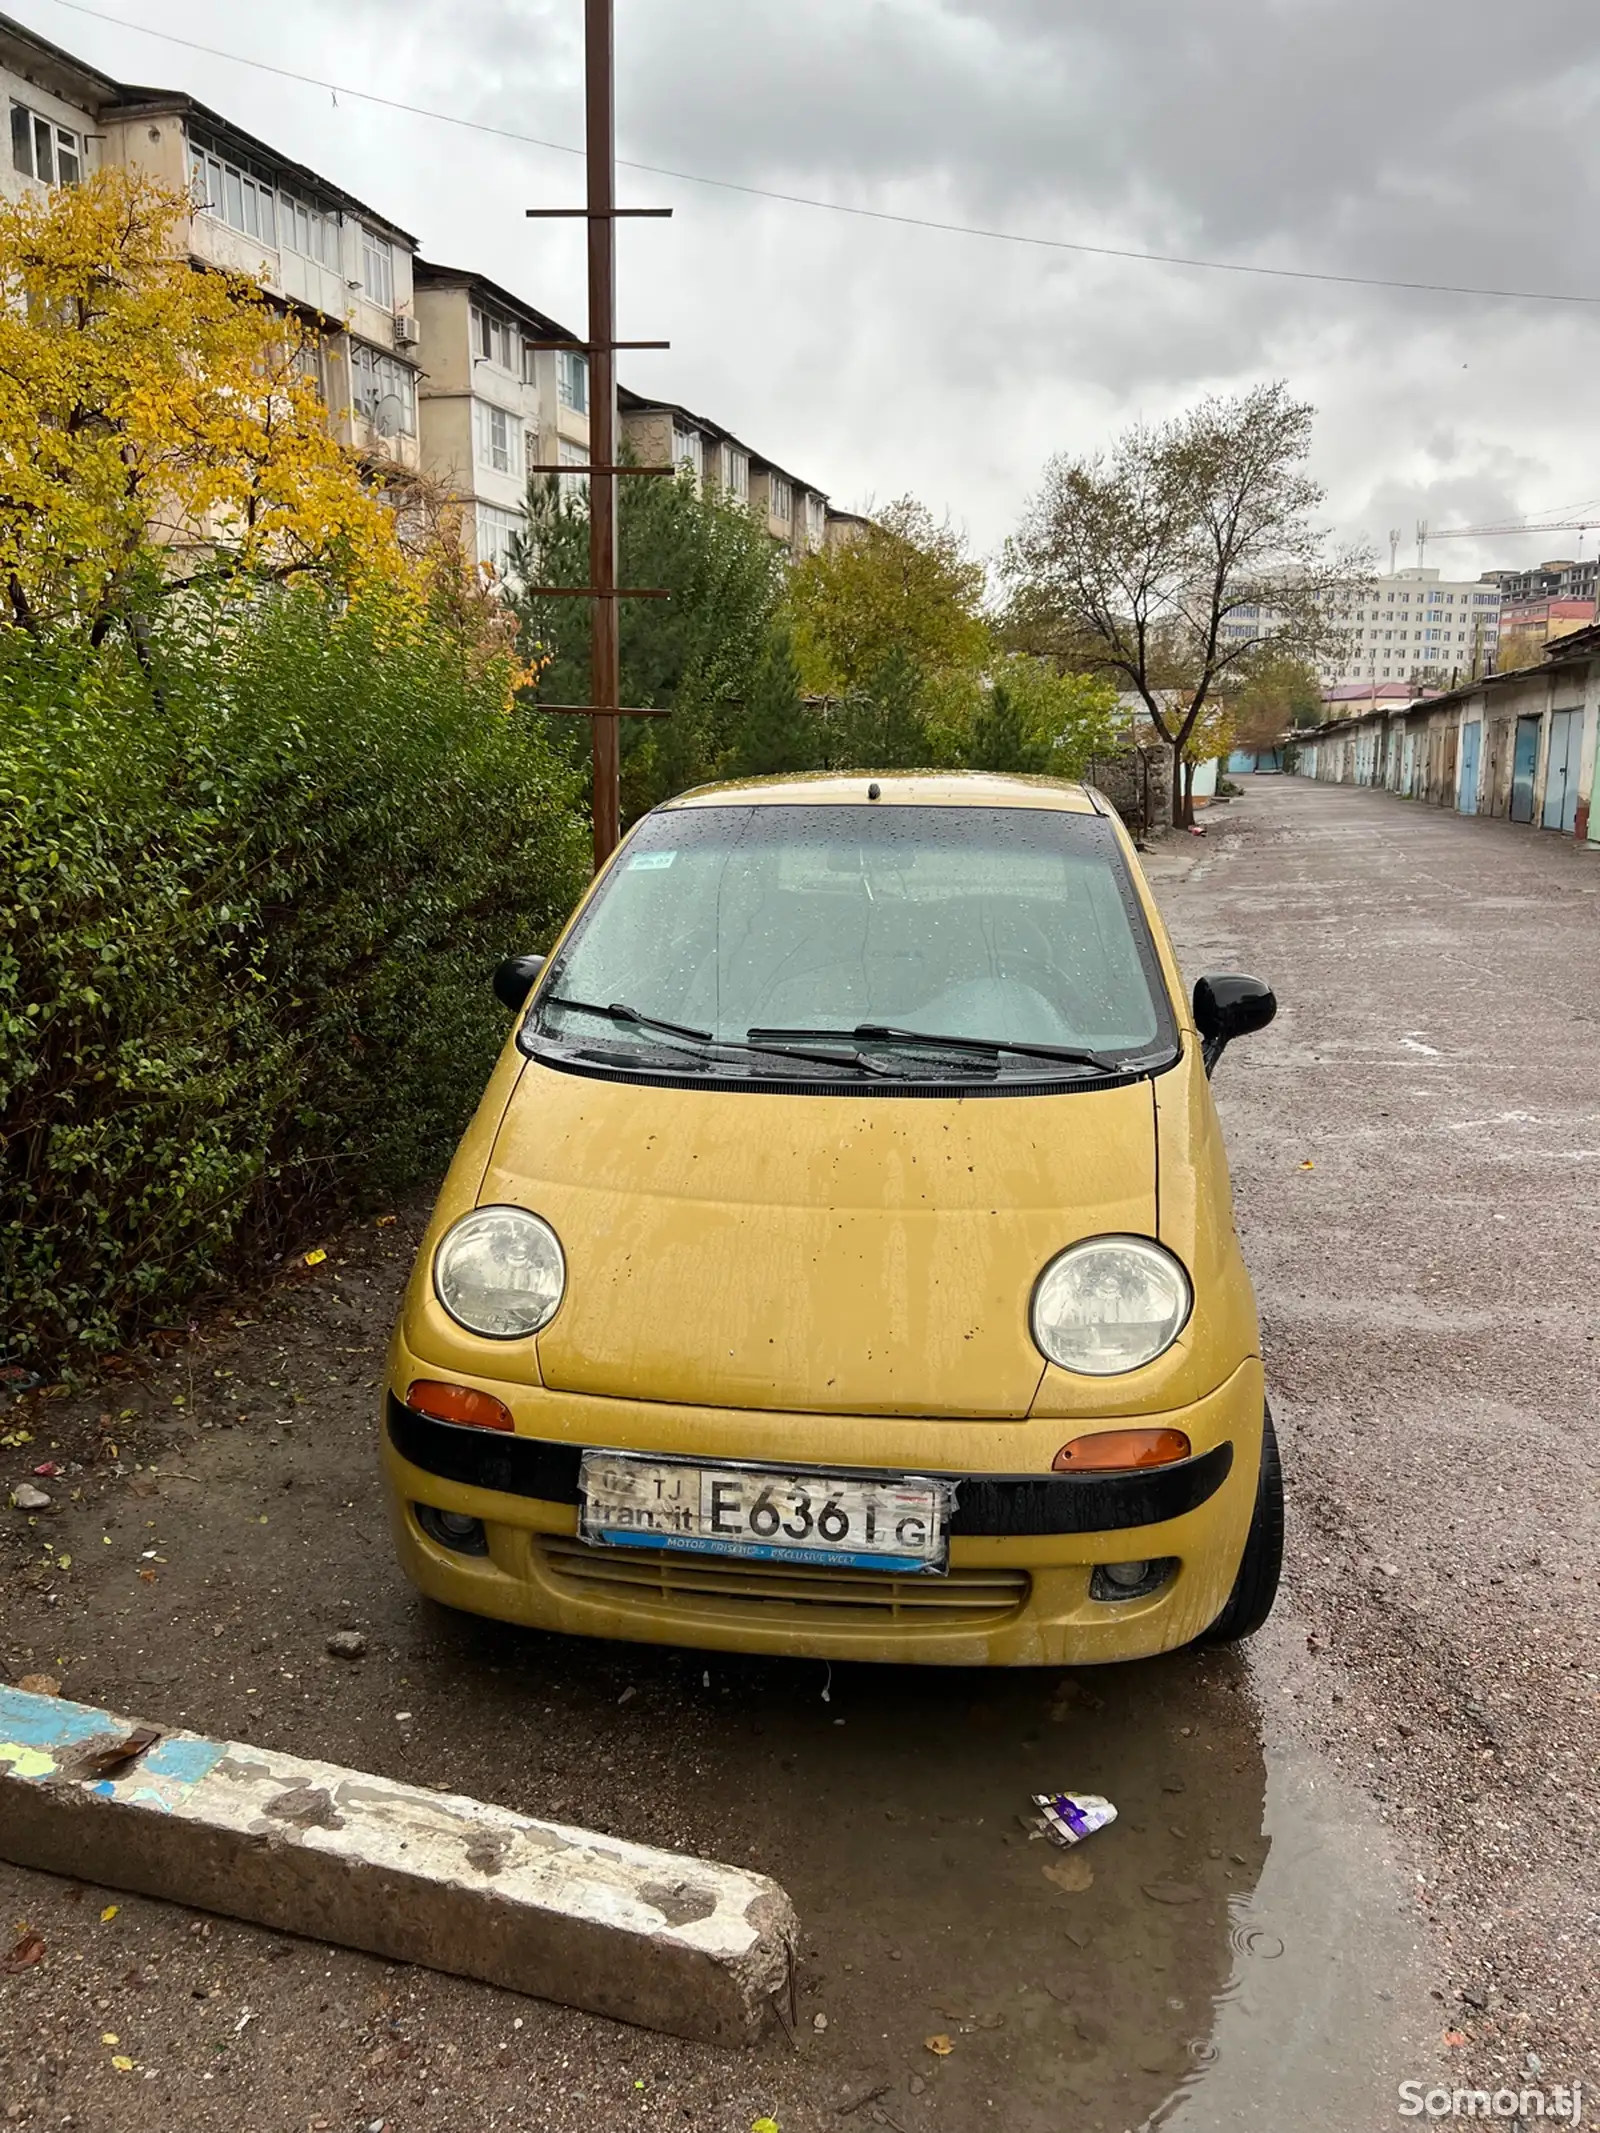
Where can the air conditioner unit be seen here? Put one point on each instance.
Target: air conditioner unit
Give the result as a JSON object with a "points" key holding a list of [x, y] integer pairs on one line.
{"points": [[407, 332]]}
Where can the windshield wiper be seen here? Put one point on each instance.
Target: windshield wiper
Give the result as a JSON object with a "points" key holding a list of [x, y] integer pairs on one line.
{"points": [[619, 1011], [884, 1033]]}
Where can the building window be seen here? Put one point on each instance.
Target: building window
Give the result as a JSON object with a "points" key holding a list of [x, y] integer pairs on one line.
{"points": [[228, 192], [313, 232], [736, 473], [306, 362], [493, 340], [780, 499], [41, 149], [497, 533], [575, 456], [383, 391], [497, 438], [572, 380], [689, 450], [816, 526], [377, 268]]}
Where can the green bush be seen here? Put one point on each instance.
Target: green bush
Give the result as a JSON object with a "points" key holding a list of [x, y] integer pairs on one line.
{"points": [[250, 897]]}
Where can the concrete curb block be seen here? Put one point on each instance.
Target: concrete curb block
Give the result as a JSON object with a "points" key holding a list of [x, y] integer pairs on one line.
{"points": [[657, 1938]]}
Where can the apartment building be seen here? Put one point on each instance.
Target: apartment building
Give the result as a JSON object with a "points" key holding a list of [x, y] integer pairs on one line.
{"points": [[845, 527], [490, 404], [1416, 626], [1563, 579], [1529, 627], [314, 247], [53, 103], [1412, 626], [660, 433], [494, 401]]}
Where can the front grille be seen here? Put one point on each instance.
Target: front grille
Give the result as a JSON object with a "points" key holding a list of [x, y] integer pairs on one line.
{"points": [[629, 1577]]}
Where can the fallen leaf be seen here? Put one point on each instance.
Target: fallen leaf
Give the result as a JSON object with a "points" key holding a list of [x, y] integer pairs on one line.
{"points": [[1308, 1165], [63, 1562], [40, 1685], [940, 2046], [315, 1258], [107, 1761], [110, 2037], [1172, 1892], [109, 1913], [47, 1469], [387, 1222], [27, 1952], [1074, 1873], [1455, 2036], [761, 2125], [122, 2065]]}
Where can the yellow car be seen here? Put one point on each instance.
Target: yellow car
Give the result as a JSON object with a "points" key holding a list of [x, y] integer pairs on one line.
{"points": [[841, 1261]]}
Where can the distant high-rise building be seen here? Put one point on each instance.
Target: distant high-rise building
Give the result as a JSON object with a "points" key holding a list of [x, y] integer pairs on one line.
{"points": [[1415, 626], [1412, 626], [1560, 580]]}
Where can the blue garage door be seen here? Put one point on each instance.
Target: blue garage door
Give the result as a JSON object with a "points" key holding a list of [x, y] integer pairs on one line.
{"points": [[1471, 743], [1561, 777], [1524, 763]]}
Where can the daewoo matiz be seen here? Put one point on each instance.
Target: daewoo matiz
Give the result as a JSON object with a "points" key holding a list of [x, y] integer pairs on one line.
{"points": [[841, 1261]]}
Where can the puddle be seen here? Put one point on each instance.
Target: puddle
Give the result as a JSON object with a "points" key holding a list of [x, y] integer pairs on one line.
{"points": [[1238, 1959], [1236, 1951]]}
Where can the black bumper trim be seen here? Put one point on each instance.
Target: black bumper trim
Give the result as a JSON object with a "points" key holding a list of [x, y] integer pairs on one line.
{"points": [[1005, 1504]]}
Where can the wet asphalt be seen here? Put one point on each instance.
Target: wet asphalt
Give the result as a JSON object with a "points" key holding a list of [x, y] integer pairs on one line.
{"points": [[1360, 1852]]}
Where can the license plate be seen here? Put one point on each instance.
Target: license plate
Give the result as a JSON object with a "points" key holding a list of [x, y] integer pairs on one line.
{"points": [[766, 1514]]}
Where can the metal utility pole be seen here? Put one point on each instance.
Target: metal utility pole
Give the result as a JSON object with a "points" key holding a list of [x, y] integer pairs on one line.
{"points": [[603, 592], [605, 653]]}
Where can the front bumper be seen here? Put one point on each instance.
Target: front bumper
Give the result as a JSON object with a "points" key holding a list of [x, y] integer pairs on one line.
{"points": [[1023, 1541]]}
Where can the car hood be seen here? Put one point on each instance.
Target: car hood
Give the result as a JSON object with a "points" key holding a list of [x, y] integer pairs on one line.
{"points": [[835, 1253]]}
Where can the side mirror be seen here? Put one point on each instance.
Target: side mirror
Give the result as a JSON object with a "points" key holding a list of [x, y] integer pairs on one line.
{"points": [[515, 978], [1229, 1007]]}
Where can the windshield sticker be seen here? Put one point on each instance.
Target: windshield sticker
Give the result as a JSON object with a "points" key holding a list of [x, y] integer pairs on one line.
{"points": [[650, 859]]}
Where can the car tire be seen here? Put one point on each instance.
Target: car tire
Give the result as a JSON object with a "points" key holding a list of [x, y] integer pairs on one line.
{"points": [[1256, 1586]]}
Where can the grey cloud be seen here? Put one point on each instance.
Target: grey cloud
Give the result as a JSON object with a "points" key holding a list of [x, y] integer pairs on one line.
{"points": [[1345, 135]]}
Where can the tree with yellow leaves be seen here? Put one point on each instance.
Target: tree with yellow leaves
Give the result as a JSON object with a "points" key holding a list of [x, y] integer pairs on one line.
{"points": [[904, 590], [158, 430], [1210, 738]]}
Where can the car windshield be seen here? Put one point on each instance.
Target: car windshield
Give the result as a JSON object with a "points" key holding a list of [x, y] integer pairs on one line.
{"points": [[859, 929]]}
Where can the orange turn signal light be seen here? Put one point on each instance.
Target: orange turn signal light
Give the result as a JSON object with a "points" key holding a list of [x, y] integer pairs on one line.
{"points": [[1116, 1450], [458, 1403]]}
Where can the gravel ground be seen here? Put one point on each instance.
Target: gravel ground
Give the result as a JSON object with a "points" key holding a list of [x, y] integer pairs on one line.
{"points": [[1381, 1819]]}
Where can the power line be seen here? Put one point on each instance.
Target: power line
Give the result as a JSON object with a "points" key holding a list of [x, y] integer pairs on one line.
{"points": [[842, 207]]}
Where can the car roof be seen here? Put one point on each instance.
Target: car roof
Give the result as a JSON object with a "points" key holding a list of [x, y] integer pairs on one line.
{"points": [[897, 788]]}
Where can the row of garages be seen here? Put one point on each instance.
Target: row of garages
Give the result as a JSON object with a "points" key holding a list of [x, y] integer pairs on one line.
{"points": [[1518, 745]]}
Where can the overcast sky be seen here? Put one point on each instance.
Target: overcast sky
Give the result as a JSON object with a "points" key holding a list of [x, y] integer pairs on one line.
{"points": [[1450, 143]]}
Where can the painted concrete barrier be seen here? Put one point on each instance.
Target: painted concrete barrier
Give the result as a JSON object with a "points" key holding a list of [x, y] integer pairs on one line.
{"points": [[657, 1938]]}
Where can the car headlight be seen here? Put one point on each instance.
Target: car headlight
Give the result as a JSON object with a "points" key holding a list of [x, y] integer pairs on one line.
{"points": [[500, 1271], [1109, 1305]]}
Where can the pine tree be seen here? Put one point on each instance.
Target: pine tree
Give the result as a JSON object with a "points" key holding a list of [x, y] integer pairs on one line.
{"points": [[778, 731], [887, 728], [1000, 737]]}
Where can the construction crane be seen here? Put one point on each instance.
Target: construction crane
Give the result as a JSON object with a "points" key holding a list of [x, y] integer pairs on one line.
{"points": [[1425, 533]]}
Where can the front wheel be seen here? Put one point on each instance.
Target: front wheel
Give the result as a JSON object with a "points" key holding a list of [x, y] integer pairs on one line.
{"points": [[1256, 1586]]}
